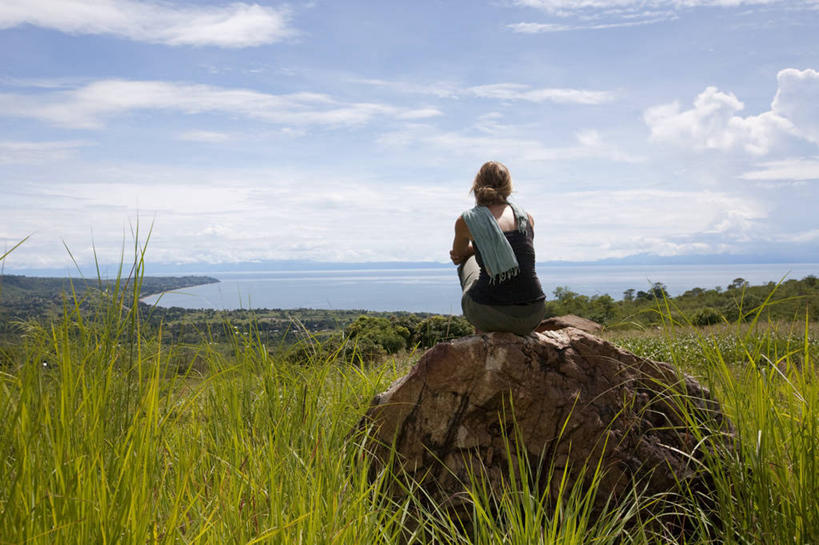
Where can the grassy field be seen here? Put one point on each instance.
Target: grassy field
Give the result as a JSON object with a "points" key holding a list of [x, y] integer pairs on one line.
{"points": [[103, 440]]}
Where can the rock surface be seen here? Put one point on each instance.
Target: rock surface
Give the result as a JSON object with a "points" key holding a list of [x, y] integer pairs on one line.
{"points": [[568, 320], [577, 399]]}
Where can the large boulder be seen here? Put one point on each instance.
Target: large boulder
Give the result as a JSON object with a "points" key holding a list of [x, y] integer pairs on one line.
{"points": [[564, 397], [568, 320]]}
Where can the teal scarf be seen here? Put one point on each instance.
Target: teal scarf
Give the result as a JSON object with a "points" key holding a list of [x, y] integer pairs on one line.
{"points": [[496, 252]]}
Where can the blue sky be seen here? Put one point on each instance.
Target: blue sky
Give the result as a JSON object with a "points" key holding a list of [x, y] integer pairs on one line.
{"points": [[351, 131]]}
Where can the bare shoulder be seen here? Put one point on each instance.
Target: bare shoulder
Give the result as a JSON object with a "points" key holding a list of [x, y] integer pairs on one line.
{"points": [[531, 219], [461, 228]]}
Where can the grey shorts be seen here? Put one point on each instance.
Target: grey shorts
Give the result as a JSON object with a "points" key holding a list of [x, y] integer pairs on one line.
{"points": [[518, 319]]}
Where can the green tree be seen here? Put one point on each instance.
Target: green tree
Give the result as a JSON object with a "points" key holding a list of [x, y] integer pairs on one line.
{"points": [[738, 284], [375, 336], [435, 329]]}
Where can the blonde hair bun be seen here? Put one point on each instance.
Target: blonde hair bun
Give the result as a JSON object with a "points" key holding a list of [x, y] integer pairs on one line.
{"points": [[493, 184]]}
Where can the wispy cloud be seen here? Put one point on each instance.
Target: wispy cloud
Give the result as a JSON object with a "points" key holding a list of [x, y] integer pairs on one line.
{"points": [[787, 170], [214, 137], [538, 28], [626, 7], [43, 83], [507, 91], [419, 113], [91, 106], [607, 14], [800, 237], [712, 122], [516, 91], [38, 152], [233, 25]]}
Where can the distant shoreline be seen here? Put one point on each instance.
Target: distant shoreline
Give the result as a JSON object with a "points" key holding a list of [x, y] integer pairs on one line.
{"points": [[207, 269], [190, 282], [436, 289]]}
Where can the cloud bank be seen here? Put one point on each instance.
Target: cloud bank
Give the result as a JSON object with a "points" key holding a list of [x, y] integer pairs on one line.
{"points": [[227, 215]]}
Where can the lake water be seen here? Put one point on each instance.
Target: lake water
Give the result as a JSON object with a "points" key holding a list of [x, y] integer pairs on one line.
{"points": [[437, 290]]}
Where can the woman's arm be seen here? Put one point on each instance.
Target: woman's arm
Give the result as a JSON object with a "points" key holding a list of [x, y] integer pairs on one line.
{"points": [[462, 245]]}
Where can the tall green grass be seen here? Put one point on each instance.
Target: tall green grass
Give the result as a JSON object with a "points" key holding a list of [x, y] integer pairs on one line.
{"points": [[766, 490], [105, 438]]}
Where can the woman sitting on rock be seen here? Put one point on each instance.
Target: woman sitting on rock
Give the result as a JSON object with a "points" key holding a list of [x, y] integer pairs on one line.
{"points": [[496, 258]]}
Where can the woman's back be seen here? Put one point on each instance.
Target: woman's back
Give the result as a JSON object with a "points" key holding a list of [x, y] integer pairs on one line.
{"points": [[521, 289]]}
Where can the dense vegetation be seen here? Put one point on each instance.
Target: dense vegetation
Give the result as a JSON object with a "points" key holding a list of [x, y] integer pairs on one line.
{"points": [[739, 301], [109, 434]]}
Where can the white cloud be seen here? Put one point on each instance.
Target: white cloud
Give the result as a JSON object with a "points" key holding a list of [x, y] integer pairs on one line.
{"points": [[712, 122], [800, 237], [37, 152], [420, 113], [540, 28], [606, 14], [233, 25], [214, 137], [797, 100], [90, 106], [567, 7], [787, 169], [500, 91], [516, 91]]}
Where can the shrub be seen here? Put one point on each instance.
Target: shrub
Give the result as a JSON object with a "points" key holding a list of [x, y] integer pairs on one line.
{"points": [[435, 329], [372, 332], [706, 316]]}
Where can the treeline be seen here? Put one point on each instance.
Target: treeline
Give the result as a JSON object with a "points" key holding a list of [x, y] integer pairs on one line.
{"points": [[736, 302], [370, 338], [792, 299], [303, 335], [271, 326]]}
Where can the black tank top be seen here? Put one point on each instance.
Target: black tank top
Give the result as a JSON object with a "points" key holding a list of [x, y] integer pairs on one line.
{"points": [[518, 290]]}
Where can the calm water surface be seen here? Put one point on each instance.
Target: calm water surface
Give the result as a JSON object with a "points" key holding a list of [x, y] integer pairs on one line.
{"points": [[437, 289]]}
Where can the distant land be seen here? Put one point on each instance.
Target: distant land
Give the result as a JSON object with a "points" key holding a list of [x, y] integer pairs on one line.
{"points": [[307, 265]]}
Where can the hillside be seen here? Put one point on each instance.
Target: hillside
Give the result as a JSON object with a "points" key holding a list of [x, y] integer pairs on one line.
{"points": [[24, 297]]}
